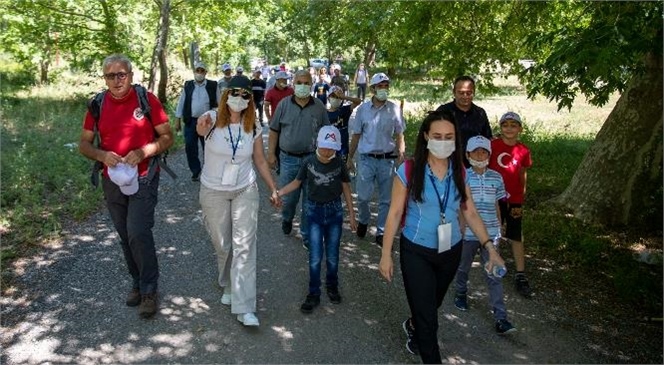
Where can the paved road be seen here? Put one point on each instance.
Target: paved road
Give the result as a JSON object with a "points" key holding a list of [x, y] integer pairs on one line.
{"points": [[70, 304]]}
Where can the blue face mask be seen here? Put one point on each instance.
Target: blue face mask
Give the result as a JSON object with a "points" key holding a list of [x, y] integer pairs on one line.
{"points": [[302, 91]]}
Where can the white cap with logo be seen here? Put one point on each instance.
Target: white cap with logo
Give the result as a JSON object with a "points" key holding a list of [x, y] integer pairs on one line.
{"points": [[125, 176], [329, 137]]}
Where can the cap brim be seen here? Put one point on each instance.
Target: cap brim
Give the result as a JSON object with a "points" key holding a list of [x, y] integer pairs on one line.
{"points": [[130, 189]]}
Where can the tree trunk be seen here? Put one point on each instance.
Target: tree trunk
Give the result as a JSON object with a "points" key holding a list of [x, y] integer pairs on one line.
{"points": [[619, 181], [43, 70], [162, 50], [370, 55]]}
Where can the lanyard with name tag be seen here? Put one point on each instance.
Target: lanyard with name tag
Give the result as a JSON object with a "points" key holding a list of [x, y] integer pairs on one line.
{"points": [[444, 228], [232, 169]]}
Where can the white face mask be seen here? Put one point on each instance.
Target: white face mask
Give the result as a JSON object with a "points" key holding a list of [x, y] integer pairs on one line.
{"points": [[335, 103], [199, 77], [441, 149], [325, 158], [478, 164], [302, 91], [237, 103], [381, 94]]}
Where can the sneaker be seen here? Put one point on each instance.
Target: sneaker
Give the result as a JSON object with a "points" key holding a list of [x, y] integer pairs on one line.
{"points": [[461, 302], [504, 327], [379, 240], [522, 286], [286, 227], [133, 298], [148, 306], [226, 299], [411, 345], [248, 319], [310, 303], [361, 230], [333, 294]]}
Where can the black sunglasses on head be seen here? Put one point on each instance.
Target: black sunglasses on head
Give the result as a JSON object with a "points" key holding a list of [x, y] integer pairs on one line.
{"points": [[241, 92]]}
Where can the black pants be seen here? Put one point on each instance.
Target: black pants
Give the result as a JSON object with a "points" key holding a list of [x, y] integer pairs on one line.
{"points": [[133, 218], [426, 277]]}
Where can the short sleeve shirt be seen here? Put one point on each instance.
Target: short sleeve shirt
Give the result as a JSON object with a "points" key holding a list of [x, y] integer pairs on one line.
{"points": [[123, 127], [509, 161], [298, 126], [274, 96], [324, 180], [377, 127], [486, 189], [422, 219]]}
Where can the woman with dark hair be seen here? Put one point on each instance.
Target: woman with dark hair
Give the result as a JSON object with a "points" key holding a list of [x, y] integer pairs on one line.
{"points": [[431, 195], [229, 193]]}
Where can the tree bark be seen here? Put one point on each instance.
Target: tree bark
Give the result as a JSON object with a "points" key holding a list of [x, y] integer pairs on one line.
{"points": [[619, 181], [162, 44]]}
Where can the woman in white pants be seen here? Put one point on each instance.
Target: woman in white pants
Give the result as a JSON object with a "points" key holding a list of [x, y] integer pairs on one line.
{"points": [[229, 193]]}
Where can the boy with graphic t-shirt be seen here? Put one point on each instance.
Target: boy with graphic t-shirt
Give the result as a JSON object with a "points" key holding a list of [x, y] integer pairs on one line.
{"points": [[511, 158], [327, 179], [339, 114]]}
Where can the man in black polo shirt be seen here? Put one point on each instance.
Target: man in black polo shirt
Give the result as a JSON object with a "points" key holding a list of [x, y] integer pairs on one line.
{"points": [[294, 128], [471, 119]]}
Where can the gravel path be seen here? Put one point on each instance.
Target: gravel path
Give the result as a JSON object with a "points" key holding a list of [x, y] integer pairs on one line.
{"points": [[70, 304]]}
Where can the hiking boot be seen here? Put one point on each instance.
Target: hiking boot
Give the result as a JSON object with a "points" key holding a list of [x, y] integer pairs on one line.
{"points": [[361, 230], [248, 319], [333, 294], [310, 303], [286, 227], [522, 286], [148, 306], [411, 344], [133, 298], [504, 327], [379, 240], [461, 302]]}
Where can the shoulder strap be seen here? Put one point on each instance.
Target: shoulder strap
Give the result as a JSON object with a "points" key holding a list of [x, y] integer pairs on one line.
{"points": [[94, 107]]}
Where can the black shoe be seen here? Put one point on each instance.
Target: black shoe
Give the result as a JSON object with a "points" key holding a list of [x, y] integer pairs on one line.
{"points": [[148, 306], [411, 345], [286, 227], [361, 230], [196, 177], [333, 294], [522, 286], [461, 302], [504, 327], [310, 303], [379, 240], [133, 298]]}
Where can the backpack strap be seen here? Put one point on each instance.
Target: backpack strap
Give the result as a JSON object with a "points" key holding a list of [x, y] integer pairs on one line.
{"points": [[94, 107]]}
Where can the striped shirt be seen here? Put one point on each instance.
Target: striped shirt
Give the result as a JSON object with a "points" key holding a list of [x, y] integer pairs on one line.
{"points": [[486, 188]]}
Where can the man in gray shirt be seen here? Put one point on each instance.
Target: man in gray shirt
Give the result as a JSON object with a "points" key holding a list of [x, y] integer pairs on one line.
{"points": [[377, 134], [294, 127]]}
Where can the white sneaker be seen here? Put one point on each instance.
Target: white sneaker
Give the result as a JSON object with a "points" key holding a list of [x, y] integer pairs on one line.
{"points": [[248, 319], [226, 299]]}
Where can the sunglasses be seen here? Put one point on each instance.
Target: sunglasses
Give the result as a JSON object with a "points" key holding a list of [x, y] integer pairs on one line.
{"points": [[241, 92], [119, 75]]}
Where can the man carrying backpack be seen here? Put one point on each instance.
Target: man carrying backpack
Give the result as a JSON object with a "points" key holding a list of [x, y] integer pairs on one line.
{"points": [[198, 96], [131, 136]]}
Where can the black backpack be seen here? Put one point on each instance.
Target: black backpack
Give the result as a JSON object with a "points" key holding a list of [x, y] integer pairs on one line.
{"points": [[94, 107]]}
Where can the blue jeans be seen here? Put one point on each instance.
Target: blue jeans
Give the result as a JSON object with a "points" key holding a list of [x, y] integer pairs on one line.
{"points": [[288, 169], [372, 171], [325, 222], [191, 139], [494, 284]]}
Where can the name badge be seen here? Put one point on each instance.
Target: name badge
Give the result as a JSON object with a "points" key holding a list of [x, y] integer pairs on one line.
{"points": [[230, 174], [444, 237]]}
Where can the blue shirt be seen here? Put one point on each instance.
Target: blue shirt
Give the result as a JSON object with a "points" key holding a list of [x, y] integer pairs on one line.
{"points": [[377, 126], [422, 219], [486, 189]]}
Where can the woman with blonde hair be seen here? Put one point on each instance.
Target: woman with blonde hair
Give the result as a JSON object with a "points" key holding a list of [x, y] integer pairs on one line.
{"points": [[229, 193]]}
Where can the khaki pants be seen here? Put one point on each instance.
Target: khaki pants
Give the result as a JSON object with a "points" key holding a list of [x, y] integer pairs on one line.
{"points": [[231, 219]]}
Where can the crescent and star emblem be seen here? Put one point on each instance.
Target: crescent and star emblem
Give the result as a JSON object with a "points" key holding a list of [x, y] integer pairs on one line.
{"points": [[500, 162]]}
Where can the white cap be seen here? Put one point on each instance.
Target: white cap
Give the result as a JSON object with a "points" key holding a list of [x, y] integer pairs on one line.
{"points": [[478, 142], [378, 78], [225, 67], [510, 116], [333, 89], [125, 176], [281, 75], [329, 137], [200, 64], [239, 69]]}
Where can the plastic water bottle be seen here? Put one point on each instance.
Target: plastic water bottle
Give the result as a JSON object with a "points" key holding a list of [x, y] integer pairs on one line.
{"points": [[498, 271]]}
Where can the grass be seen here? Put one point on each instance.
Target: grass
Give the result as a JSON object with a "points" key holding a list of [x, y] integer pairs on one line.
{"points": [[45, 181]]}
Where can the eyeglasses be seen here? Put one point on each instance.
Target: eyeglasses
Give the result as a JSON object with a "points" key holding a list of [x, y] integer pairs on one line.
{"points": [[119, 75], [241, 92]]}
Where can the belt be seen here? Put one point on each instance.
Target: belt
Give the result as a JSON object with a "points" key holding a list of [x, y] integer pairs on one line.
{"points": [[381, 156], [301, 154]]}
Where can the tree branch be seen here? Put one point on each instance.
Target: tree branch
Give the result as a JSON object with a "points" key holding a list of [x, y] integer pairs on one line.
{"points": [[67, 12]]}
